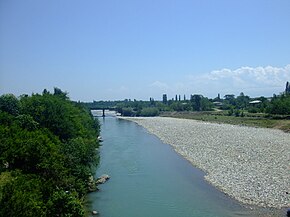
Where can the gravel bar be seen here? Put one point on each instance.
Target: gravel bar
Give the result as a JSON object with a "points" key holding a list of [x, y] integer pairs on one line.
{"points": [[249, 164]]}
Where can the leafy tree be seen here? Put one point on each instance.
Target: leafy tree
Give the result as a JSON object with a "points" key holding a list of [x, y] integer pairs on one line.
{"points": [[196, 102], [48, 148], [9, 103], [164, 98], [32, 152], [80, 155], [230, 99], [147, 112], [206, 105], [200, 103], [61, 116], [127, 112], [287, 89], [242, 101], [280, 105], [21, 196], [27, 122], [58, 92], [65, 204]]}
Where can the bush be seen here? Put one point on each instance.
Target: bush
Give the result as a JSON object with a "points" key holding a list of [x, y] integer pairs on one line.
{"points": [[149, 112], [237, 113], [22, 196], [64, 203], [253, 110], [230, 112], [280, 105], [128, 112]]}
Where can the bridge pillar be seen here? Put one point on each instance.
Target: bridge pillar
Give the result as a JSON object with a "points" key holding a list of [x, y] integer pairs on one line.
{"points": [[103, 112]]}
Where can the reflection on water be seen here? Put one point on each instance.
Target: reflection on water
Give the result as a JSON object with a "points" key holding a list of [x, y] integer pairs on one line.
{"points": [[149, 179]]}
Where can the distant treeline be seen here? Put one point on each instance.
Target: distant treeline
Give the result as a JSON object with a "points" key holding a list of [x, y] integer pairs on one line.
{"points": [[278, 104], [48, 147]]}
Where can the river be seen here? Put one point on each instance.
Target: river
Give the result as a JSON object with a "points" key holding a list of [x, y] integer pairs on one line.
{"points": [[148, 178]]}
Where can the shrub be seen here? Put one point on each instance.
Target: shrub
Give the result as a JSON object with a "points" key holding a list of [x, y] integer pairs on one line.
{"points": [[149, 112]]}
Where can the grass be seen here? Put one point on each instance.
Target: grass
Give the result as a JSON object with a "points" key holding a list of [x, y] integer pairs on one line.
{"points": [[249, 119]]}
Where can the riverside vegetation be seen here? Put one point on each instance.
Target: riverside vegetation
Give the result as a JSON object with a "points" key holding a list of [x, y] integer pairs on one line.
{"points": [[272, 112], [48, 147]]}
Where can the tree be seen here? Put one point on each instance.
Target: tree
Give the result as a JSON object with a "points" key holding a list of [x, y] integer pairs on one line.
{"points": [[164, 98], [63, 203], [45, 91], [206, 105], [242, 101], [34, 152], [47, 152], [127, 112], [229, 101], [58, 92], [21, 195], [287, 89], [280, 105], [62, 117], [196, 102], [149, 112], [10, 104]]}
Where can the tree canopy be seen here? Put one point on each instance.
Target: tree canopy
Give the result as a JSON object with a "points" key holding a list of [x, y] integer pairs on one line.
{"points": [[48, 148]]}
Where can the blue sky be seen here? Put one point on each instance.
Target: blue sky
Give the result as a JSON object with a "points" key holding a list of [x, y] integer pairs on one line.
{"points": [[107, 50]]}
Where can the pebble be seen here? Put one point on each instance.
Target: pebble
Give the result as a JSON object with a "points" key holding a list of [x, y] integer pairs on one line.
{"points": [[249, 164], [95, 212]]}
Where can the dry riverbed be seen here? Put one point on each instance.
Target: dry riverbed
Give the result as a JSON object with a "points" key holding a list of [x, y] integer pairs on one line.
{"points": [[249, 164]]}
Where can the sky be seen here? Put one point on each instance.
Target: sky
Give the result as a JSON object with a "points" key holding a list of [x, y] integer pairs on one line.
{"points": [[129, 49]]}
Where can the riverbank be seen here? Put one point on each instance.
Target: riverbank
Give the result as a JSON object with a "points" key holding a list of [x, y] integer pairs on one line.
{"points": [[249, 164], [281, 122]]}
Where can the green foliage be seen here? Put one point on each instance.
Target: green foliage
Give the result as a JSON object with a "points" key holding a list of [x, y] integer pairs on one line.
{"points": [[242, 101], [242, 114], [80, 156], [9, 103], [48, 148], [127, 112], [58, 92], [27, 122], [253, 110], [149, 112], [277, 105], [200, 103], [65, 204], [22, 196], [145, 108], [237, 112], [230, 112], [280, 105], [59, 115], [196, 102], [51, 112], [30, 151], [206, 105]]}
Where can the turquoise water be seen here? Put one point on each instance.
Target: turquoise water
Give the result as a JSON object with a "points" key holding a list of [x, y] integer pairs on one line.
{"points": [[149, 179]]}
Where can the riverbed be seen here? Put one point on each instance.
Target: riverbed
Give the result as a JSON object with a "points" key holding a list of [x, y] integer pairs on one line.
{"points": [[148, 178]]}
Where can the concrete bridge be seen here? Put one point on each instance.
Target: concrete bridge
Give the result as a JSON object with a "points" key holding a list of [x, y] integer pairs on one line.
{"points": [[103, 109]]}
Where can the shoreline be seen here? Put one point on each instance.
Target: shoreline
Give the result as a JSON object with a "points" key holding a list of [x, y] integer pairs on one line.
{"points": [[248, 164]]}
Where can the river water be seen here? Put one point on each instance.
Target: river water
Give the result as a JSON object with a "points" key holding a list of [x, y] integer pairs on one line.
{"points": [[149, 179]]}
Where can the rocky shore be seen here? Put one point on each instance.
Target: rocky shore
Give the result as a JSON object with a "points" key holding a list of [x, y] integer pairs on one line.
{"points": [[249, 164]]}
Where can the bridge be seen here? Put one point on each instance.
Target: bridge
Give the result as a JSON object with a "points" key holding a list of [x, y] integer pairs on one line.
{"points": [[103, 109]]}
